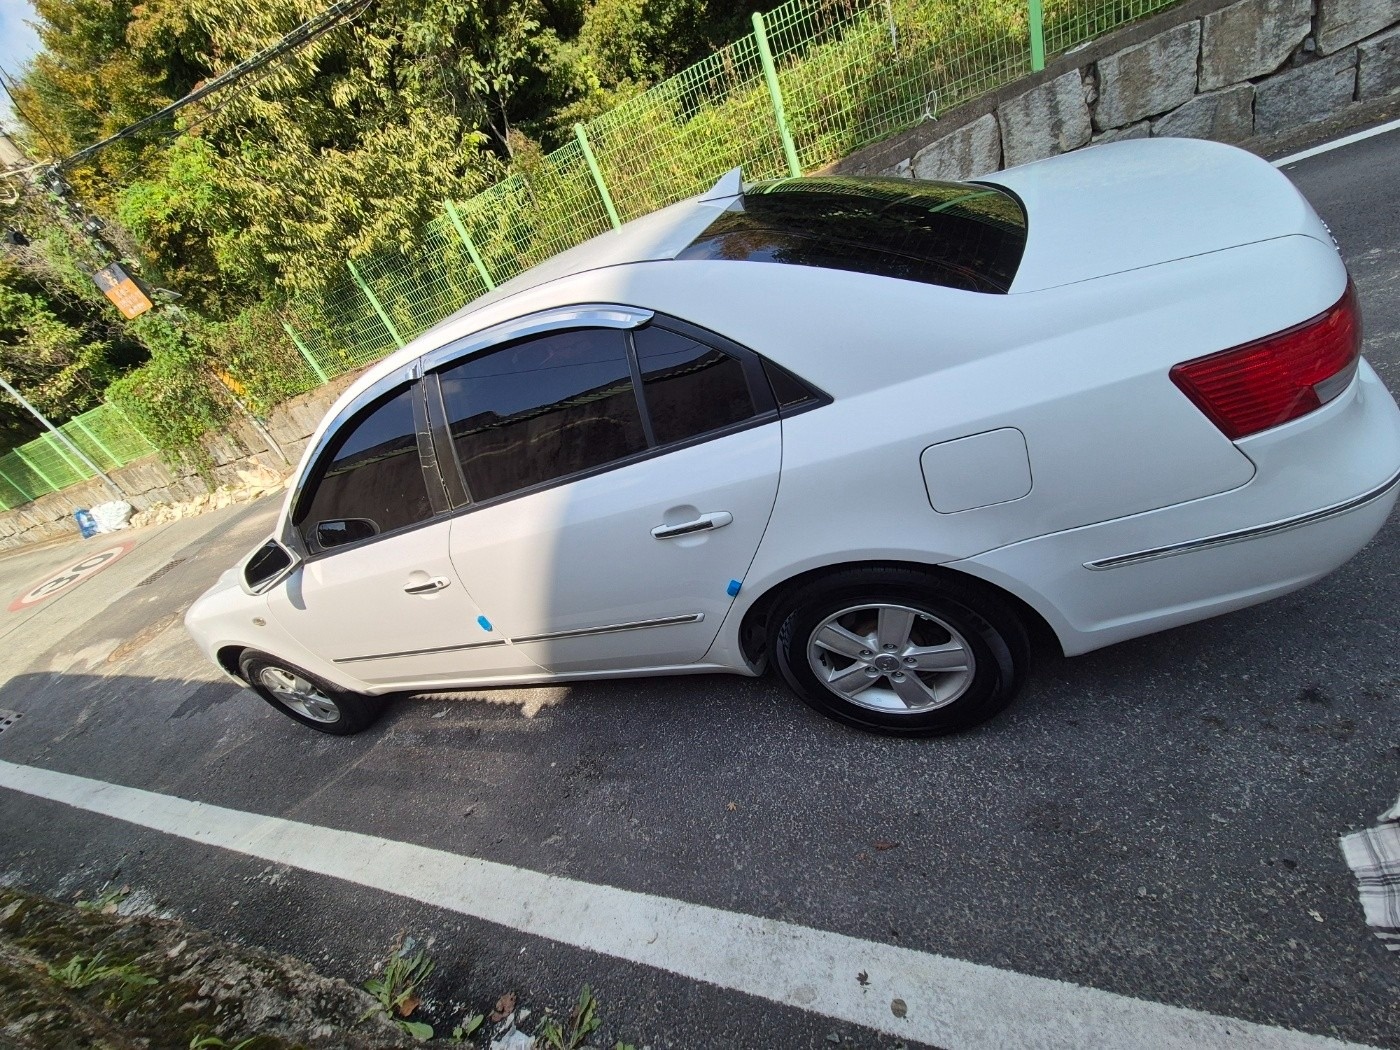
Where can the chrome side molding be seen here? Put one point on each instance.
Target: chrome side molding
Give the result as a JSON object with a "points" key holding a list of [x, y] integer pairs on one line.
{"points": [[1240, 535]]}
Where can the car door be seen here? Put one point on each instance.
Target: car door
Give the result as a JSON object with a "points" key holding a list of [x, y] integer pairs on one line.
{"points": [[621, 477], [377, 593]]}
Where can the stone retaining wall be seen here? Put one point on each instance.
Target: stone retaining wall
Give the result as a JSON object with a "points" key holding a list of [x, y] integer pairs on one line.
{"points": [[150, 481], [1241, 72]]}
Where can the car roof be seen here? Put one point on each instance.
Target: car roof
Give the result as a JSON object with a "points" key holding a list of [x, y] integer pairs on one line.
{"points": [[657, 236]]}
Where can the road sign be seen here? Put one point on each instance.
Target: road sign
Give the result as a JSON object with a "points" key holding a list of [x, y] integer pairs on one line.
{"points": [[117, 285]]}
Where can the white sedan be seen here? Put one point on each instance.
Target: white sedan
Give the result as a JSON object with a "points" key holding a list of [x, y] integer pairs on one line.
{"points": [[871, 431]]}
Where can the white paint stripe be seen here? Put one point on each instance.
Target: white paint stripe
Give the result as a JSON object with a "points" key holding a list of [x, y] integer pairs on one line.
{"points": [[951, 1003], [1346, 140]]}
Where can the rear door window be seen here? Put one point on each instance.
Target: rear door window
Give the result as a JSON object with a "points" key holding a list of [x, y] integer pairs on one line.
{"points": [[690, 388]]}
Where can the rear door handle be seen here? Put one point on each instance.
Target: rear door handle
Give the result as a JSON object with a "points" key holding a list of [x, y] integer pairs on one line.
{"points": [[718, 520], [437, 583]]}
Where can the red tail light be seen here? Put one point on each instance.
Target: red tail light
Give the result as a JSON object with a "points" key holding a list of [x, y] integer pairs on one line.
{"points": [[1278, 378]]}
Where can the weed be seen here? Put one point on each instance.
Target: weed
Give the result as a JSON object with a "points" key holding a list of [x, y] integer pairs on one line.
{"points": [[81, 972], [468, 1026], [107, 902], [396, 989], [583, 1020], [213, 1042]]}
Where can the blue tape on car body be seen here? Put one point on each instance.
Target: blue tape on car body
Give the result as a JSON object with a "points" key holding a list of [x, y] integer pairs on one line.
{"points": [[733, 589], [485, 623]]}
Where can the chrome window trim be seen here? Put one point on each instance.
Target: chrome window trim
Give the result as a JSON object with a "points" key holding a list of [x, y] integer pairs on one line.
{"points": [[637, 625], [584, 315], [1240, 535]]}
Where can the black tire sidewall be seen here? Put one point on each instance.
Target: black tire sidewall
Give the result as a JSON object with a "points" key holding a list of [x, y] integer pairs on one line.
{"points": [[357, 712], [998, 649]]}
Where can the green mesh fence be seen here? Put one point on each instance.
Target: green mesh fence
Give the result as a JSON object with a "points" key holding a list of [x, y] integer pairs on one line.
{"points": [[849, 72], [1069, 23], [44, 465]]}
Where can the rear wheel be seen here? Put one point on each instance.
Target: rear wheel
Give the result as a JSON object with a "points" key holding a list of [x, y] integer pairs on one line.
{"points": [[305, 698], [896, 651]]}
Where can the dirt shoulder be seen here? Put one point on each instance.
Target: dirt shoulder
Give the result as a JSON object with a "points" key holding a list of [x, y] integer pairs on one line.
{"points": [[88, 978]]}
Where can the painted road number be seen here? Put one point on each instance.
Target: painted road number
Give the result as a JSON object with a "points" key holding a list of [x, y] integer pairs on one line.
{"points": [[73, 574]]}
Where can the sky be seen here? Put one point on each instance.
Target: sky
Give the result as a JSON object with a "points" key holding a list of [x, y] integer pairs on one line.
{"points": [[18, 42]]}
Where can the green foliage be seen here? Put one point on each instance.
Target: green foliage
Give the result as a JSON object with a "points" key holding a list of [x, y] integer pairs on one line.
{"points": [[59, 351], [583, 1020], [107, 902], [174, 398], [83, 971], [257, 358], [468, 1027], [396, 989]]}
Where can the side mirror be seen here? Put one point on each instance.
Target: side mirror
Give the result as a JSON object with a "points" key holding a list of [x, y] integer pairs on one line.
{"points": [[268, 566], [340, 531]]}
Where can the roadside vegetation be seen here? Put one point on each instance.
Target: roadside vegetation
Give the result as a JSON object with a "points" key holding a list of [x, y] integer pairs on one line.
{"points": [[85, 974]]}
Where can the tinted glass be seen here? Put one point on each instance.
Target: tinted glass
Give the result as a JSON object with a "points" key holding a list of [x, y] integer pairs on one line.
{"points": [[541, 409], [372, 472], [953, 234], [789, 391], [690, 388]]}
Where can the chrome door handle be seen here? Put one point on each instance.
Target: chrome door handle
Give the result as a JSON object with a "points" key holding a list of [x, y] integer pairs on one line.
{"points": [[437, 583], [718, 520]]}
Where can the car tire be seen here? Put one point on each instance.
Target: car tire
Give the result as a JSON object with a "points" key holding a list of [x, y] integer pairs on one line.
{"points": [[900, 652], [304, 698]]}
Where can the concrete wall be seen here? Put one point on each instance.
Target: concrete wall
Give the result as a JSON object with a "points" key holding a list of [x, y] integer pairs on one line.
{"points": [[1252, 72], [150, 481]]}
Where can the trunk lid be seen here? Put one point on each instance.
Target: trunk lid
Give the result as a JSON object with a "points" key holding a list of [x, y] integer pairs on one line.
{"points": [[1125, 205]]}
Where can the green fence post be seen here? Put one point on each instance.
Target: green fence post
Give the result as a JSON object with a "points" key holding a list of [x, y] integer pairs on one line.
{"points": [[597, 174], [1037, 36], [315, 367], [31, 465], [461, 228], [374, 301], [78, 422], [15, 485], [770, 74]]}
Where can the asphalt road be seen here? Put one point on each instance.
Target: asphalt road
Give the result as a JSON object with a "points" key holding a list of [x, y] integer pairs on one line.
{"points": [[1158, 819]]}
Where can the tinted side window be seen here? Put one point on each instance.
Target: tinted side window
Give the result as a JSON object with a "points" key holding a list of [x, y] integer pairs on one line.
{"points": [[541, 409], [370, 471], [690, 388]]}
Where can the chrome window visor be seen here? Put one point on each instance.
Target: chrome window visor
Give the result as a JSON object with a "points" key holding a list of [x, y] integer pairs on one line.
{"points": [[587, 315]]}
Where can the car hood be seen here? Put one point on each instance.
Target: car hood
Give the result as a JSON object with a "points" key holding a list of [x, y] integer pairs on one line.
{"points": [[1125, 205]]}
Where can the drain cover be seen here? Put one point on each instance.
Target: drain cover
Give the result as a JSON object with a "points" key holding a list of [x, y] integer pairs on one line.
{"points": [[8, 718], [160, 572]]}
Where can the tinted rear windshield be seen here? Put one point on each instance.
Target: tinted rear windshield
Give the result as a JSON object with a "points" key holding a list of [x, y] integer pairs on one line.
{"points": [[953, 234]]}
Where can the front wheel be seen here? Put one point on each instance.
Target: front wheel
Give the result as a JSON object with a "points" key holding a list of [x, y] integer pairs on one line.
{"points": [[895, 651], [304, 698]]}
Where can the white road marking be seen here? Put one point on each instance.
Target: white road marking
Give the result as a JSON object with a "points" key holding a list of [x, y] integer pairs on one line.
{"points": [[951, 1003], [1346, 140]]}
